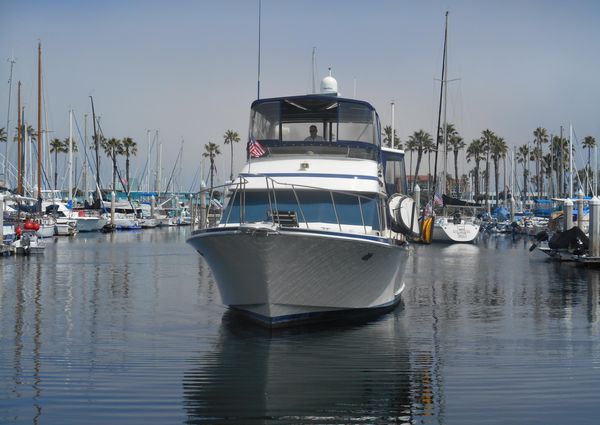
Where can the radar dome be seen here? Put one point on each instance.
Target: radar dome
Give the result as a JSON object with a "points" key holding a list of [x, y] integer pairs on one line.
{"points": [[329, 85]]}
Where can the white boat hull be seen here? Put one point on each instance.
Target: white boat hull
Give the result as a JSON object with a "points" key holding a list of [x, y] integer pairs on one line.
{"points": [[46, 231], [280, 277], [445, 230], [90, 224], [29, 243]]}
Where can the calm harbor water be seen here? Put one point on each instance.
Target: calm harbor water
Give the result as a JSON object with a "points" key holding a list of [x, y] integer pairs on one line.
{"points": [[128, 328]]}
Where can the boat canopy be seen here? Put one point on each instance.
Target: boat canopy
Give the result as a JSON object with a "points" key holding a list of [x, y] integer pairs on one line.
{"points": [[282, 124]]}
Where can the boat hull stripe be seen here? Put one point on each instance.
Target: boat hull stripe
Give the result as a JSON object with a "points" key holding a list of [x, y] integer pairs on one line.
{"points": [[333, 176]]}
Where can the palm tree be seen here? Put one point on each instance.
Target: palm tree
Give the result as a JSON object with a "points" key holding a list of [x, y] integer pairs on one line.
{"points": [[419, 139], [212, 150], [498, 151], [113, 147], [57, 146], [547, 166], [410, 147], [3, 136], [540, 137], [387, 137], [457, 143], [523, 158], [560, 151], [66, 150], [30, 132], [128, 148], [475, 154], [588, 143], [229, 138], [430, 148], [487, 138]]}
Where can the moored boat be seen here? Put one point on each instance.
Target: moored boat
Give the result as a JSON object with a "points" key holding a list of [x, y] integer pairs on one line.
{"points": [[306, 232]]}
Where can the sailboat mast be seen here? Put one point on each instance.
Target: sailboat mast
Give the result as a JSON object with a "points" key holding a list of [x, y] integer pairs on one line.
{"points": [[96, 146], [437, 139], [19, 140], [570, 160], [445, 122], [6, 174], [70, 155], [85, 159], [39, 125]]}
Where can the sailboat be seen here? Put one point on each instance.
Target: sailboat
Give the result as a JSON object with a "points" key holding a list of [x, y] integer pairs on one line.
{"points": [[452, 225]]}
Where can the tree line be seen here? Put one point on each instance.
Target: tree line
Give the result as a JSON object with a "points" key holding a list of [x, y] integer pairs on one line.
{"points": [[551, 163], [112, 147]]}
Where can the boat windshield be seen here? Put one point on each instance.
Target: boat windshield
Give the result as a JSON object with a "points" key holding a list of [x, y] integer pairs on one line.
{"points": [[285, 124]]}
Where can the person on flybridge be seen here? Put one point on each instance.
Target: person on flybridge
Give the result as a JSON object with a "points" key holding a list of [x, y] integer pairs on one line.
{"points": [[314, 137]]}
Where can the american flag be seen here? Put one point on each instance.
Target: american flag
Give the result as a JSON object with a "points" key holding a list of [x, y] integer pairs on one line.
{"points": [[437, 200], [255, 148]]}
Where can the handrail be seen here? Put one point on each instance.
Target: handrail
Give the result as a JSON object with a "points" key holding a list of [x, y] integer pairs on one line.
{"points": [[273, 207]]}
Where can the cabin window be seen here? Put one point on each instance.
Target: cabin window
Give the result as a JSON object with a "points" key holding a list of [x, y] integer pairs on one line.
{"points": [[265, 121], [356, 123], [395, 176], [312, 206]]}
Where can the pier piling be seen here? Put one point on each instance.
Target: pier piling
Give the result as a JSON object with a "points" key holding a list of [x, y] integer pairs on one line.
{"points": [[580, 209], [594, 248], [568, 215]]}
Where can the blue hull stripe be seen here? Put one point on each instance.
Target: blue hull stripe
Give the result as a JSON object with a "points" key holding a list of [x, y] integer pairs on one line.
{"points": [[334, 176], [288, 230]]}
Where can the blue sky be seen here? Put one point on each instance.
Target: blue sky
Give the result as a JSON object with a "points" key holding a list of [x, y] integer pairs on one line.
{"points": [[189, 68]]}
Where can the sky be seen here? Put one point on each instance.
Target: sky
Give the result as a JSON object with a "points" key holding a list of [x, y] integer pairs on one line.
{"points": [[188, 69]]}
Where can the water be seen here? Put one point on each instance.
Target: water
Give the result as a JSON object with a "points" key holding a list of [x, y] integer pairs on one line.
{"points": [[128, 328]]}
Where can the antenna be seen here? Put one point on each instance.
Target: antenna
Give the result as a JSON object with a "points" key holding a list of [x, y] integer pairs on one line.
{"points": [[314, 66], [392, 139], [258, 77]]}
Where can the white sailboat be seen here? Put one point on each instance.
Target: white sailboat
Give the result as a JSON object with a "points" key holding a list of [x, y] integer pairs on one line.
{"points": [[453, 224]]}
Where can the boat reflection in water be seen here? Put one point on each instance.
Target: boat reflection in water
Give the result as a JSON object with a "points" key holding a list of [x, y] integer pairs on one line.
{"points": [[335, 374]]}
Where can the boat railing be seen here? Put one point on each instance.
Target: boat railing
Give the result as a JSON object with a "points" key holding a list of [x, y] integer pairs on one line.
{"points": [[289, 218]]}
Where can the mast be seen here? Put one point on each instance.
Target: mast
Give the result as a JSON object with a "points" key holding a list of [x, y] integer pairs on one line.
{"points": [[39, 125], [570, 160], [85, 160], [12, 62], [147, 161], [70, 154], [19, 140], [96, 147], [437, 139], [445, 122]]}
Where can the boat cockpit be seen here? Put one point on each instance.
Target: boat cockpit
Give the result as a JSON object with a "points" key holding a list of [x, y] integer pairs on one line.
{"points": [[343, 126]]}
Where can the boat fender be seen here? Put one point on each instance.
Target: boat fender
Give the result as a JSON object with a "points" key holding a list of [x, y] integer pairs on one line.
{"points": [[394, 212], [404, 216]]}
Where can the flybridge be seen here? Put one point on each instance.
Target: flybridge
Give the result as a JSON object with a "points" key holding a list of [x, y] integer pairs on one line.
{"points": [[325, 123]]}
